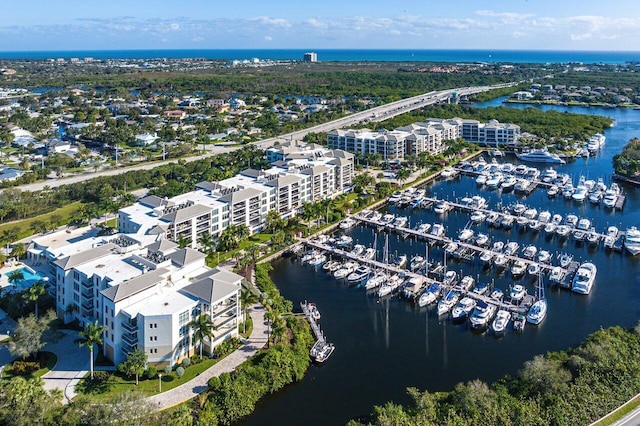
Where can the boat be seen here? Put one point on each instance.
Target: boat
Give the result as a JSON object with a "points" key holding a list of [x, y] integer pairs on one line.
{"points": [[583, 224], [344, 240], [571, 220], [450, 278], [520, 170], [448, 172], [450, 248], [580, 194], [437, 230], [412, 286], [462, 309], [441, 207], [544, 217], [522, 186], [632, 240], [519, 322], [466, 283], [518, 268], [324, 352], [508, 183], [530, 213], [358, 250], [532, 173], [447, 302], [553, 191], [556, 274], [482, 240], [565, 259], [517, 293], [400, 261], [501, 322], [496, 153], [596, 197], [486, 256], [507, 221], [309, 255], [482, 315], [375, 216], [500, 260], [549, 175], [611, 237], [423, 228], [359, 275], [497, 295], [544, 256], [347, 223], [481, 288], [400, 221], [533, 269], [317, 260], [331, 266], [417, 262], [387, 218], [556, 219], [511, 248], [376, 280], [550, 228], [477, 216], [584, 278], [346, 269], [389, 286], [494, 180], [430, 295], [536, 225], [568, 190], [481, 179], [563, 230], [592, 237], [497, 247], [465, 234], [519, 208], [540, 156], [529, 252], [369, 253]]}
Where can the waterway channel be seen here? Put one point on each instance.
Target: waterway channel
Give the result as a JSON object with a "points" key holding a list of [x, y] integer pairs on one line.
{"points": [[385, 346]]}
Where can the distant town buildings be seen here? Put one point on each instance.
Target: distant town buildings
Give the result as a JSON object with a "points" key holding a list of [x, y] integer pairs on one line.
{"points": [[310, 57]]}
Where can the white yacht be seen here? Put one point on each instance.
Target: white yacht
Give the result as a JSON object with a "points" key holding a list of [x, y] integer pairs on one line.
{"points": [[477, 216], [400, 221], [518, 268], [508, 183], [501, 321], [448, 173], [417, 262], [359, 275], [540, 156], [486, 256], [549, 175], [369, 253], [511, 248], [482, 315], [537, 312], [423, 228], [375, 216], [517, 293], [465, 234], [430, 295], [553, 191], [482, 240], [611, 195], [580, 194], [584, 278], [447, 302], [442, 207], [556, 274], [611, 237], [437, 230], [347, 223], [462, 310], [632, 240], [376, 280], [317, 260], [482, 178], [529, 252], [345, 270]]}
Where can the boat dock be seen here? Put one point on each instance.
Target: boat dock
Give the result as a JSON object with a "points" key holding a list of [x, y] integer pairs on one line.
{"points": [[314, 325], [567, 279], [620, 202]]}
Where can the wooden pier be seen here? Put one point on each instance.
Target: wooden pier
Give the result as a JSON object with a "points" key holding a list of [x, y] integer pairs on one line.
{"points": [[314, 325], [567, 279]]}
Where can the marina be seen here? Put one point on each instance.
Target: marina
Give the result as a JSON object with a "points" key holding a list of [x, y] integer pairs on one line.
{"points": [[386, 344]]}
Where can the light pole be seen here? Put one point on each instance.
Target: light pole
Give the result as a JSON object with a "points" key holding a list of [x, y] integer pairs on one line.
{"points": [[160, 382]]}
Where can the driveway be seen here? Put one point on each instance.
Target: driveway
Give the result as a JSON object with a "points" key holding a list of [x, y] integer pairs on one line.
{"points": [[73, 361]]}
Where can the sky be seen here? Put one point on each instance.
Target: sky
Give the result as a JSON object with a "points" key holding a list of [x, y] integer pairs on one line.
{"points": [[28, 25]]}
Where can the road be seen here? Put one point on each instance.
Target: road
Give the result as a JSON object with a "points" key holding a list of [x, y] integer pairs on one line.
{"points": [[373, 114]]}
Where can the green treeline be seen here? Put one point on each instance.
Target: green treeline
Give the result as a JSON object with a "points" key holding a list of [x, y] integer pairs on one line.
{"points": [[627, 163], [545, 124], [573, 387]]}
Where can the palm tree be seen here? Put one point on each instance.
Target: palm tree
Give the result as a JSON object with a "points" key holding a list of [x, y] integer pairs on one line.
{"points": [[253, 250], [182, 241], [402, 175], [19, 250], [16, 276], [203, 328], [247, 298], [33, 294], [91, 335], [206, 242]]}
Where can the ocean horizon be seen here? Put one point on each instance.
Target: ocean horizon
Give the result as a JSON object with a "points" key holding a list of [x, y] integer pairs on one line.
{"points": [[346, 55]]}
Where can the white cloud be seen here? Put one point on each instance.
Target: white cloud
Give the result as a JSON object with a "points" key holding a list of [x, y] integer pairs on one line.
{"points": [[268, 38]]}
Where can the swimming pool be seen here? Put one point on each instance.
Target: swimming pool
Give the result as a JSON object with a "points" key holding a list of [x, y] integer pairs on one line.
{"points": [[30, 278]]}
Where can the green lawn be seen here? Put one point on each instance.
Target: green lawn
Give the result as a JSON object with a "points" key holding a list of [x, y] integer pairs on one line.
{"points": [[119, 383], [67, 213], [50, 360]]}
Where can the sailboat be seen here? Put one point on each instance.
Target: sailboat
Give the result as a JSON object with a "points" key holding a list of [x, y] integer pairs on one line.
{"points": [[538, 310], [390, 285]]}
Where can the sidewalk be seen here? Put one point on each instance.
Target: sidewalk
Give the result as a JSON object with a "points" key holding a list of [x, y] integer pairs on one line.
{"points": [[192, 388], [72, 365]]}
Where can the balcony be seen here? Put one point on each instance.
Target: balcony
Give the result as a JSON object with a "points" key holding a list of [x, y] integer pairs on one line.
{"points": [[86, 284], [130, 339], [129, 327], [225, 308]]}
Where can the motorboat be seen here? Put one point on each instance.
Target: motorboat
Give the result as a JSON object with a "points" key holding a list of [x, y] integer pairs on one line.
{"points": [[486, 257], [611, 237], [500, 260], [466, 283], [511, 248], [359, 275], [369, 253], [561, 179], [423, 228], [519, 208], [376, 280], [550, 228], [571, 220], [530, 213], [465, 234], [568, 190], [522, 186], [450, 278], [481, 179], [441, 207], [537, 312], [324, 352], [563, 230], [540, 156], [592, 237], [430, 295], [580, 194], [400, 221], [482, 240], [375, 216], [497, 247], [482, 315], [481, 288], [507, 168], [437, 230], [549, 175], [508, 183], [347, 224], [535, 225], [412, 286], [309, 255], [313, 311], [518, 292], [565, 259], [596, 197], [344, 240], [400, 261], [553, 191], [477, 216], [507, 221], [556, 274], [529, 252], [497, 295], [462, 309], [533, 269], [532, 173], [387, 218], [520, 170], [611, 196], [447, 302], [358, 250], [478, 202], [448, 172], [493, 219], [544, 217], [346, 269], [556, 219], [450, 248], [494, 180], [583, 224], [518, 268], [417, 262], [331, 266], [317, 260], [584, 278], [519, 321], [544, 256], [389, 286], [632, 240], [501, 321]]}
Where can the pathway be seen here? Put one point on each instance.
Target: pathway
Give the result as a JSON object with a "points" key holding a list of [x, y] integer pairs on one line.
{"points": [[256, 341], [72, 365]]}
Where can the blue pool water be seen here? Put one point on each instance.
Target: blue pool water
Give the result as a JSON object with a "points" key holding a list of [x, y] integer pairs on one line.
{"points": [[30, 278]]}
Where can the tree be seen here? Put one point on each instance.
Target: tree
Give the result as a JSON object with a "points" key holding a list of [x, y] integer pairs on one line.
{"points": [[274, 221], [182, 241], [402, 175], [253, 250], [203, 329], [92, 335], [247, 298], [135, 364], [30, 335], [15, 276], [19, 250], [206, 243], [26, 402], [34, 293]]}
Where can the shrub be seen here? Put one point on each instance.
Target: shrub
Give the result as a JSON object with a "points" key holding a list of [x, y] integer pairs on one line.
{"points": [[167, 369], [152, 372], [196, 360], [101, 377], [214, 383], [186, 362], [22, 368], [179, 372]]}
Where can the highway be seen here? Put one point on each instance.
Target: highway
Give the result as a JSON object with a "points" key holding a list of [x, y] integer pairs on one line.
{"points": [[375, 114]]}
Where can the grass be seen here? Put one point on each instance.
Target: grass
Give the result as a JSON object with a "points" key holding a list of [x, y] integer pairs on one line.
{"points": [[119, 383], [50, 360], [619, 413], [218, 257], [23, 227], [247, 333]]}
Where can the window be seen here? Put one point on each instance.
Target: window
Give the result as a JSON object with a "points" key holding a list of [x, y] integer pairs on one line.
{"points": [[153, 338], [183, 318]]}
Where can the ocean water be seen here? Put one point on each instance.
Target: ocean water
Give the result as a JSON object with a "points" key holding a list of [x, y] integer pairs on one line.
{"points": [[348, 55]]}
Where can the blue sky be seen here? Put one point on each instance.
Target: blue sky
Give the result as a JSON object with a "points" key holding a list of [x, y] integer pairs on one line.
{"points": [[320, 24]]}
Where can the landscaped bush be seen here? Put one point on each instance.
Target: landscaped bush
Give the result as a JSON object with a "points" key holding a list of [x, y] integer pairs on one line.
{"points": [[195, 360], [226, 347], [101, 376], [186, 362], [22, 368], [167, 369], [151, 372], [179, 372]]}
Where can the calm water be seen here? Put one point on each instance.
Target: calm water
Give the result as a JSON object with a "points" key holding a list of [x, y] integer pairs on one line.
{"points": [[387, 55], [382, 347]]}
